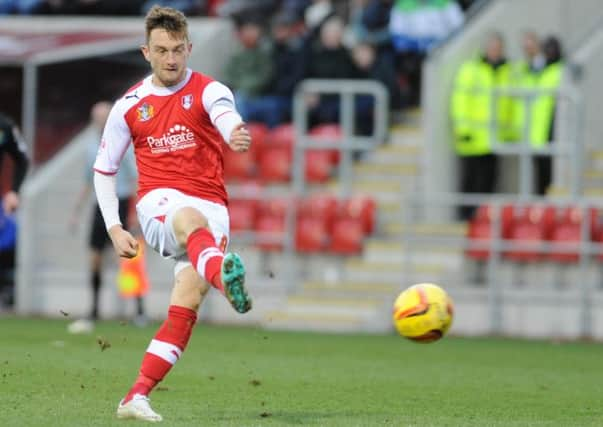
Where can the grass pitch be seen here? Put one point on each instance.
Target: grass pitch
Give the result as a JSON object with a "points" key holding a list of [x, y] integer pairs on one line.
{"points": [[250, 377]]}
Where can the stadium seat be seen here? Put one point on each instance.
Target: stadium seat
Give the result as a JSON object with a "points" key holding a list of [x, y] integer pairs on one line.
{"points": [[318, 166], [329, 132], [238, 166], [275, 165], [478, 231], [346, 237], [242, 214], [362, 208], [270, 232], [323, 206], [259, 135], [282, 136], [529, 234], [310, 234], [568, 233]]}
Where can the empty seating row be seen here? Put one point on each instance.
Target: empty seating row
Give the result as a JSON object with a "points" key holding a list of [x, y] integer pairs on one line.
{"points": [[271, 155], [323, 223], [535, 226]]}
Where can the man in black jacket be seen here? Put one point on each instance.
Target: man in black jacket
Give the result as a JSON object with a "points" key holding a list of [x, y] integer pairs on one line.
{"points": [[11, 144]]}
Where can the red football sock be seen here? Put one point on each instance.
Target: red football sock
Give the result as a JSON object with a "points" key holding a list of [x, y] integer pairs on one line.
{"points": [[164, 350], [205, 256]]}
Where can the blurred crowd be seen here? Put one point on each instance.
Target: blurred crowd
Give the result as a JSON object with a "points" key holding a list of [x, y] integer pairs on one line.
{"points": [[286, 41]]}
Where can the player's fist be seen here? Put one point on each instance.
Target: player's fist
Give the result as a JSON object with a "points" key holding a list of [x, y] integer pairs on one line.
{"points": [[240, 138], [124, 243], [10, 202]]}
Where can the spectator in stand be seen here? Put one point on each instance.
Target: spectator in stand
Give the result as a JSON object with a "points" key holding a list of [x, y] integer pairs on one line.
{"points": [[525, 76], [329, 59], [542, 129], [372, 67], [369, 23], [240, 10], [20, 7], [289, 53], [185, 6], [471, 111], [249, 71], [416, 27]]}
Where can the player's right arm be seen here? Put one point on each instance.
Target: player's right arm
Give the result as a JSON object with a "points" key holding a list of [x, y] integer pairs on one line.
{"points": [[115, 141]]}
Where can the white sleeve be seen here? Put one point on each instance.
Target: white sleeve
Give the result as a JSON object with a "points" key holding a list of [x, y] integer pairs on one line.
{"points": [[115, 141], [219, 103], [106, 194]]}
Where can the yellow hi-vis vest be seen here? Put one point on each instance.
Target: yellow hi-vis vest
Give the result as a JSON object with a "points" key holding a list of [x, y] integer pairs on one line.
{"points": [[524, 78], [471, 106], [543, 106]]}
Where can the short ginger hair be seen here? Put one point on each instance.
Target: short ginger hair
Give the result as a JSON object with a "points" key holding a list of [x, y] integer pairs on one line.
{"points": [[171, 20]]}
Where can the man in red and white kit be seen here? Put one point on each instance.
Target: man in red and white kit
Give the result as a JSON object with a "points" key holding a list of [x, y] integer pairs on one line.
{"points": [[178, 121]]}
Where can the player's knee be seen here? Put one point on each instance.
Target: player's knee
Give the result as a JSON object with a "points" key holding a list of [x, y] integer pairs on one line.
{"points": [[187, 220]]}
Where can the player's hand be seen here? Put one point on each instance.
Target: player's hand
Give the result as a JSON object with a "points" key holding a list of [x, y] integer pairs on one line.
{"points": [[240, 138], [10, 203], [124, 243]]}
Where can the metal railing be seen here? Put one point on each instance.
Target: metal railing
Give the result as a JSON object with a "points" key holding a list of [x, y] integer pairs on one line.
{"points": [[567, 142], [497, 244]]}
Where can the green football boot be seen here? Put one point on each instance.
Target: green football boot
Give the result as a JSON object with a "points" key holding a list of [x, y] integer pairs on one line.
{"points": [[233, 279]]}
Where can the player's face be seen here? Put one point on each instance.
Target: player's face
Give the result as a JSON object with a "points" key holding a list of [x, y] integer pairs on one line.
{"points": [[167, 53]]}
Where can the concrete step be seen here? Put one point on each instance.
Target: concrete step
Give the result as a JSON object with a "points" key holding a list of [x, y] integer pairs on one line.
{"points": [[335, 323], [348, 288], [386, 170]]}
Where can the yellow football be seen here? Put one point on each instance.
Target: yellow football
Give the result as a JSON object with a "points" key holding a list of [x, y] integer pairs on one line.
{"points": [[423, 313]]}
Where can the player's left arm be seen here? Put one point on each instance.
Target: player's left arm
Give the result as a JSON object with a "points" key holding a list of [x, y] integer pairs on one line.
{"points": [[15, 147], [219, 103], [115, 141]]}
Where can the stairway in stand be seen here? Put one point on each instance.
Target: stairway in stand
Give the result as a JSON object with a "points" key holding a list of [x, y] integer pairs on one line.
{"points": [[356, 293]]}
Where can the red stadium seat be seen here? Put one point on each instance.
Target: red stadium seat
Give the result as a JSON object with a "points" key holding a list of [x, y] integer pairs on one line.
{"points": [[347, 237], [318, 166], [479, 231], [259, 135], [362, 208], [238, 166], [568, 233], [282, 136], [330, 132], [270, 232], [529, 234], [275, 165], [310, 234], [242, 214], [323, 206], [274, 207]]}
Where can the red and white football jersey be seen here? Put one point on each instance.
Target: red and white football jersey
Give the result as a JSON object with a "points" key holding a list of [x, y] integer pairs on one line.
{"points": [[175, 142]]}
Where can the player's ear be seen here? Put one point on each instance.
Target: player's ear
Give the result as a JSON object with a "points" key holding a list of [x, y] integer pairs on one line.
{"points": [[145, 51]]}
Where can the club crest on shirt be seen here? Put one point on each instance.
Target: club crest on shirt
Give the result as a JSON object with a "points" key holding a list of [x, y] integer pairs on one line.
{"points": [[187, 101], [145, 112]]}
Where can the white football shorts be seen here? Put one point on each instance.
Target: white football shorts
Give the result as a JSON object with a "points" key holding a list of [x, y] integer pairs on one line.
{"points": [[156, 212]]}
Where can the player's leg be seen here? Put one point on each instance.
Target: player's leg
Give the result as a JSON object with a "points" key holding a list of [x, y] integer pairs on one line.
{"points": [[97, 241], [225, 272], [167, 346]]}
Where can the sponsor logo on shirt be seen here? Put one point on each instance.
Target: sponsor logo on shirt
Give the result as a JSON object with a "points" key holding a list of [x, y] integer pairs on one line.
{"points": [[187, 101], [145, 112], [179, 137]]}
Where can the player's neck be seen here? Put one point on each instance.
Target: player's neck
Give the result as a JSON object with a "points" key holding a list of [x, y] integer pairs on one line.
{"points": [[167, 85]]}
